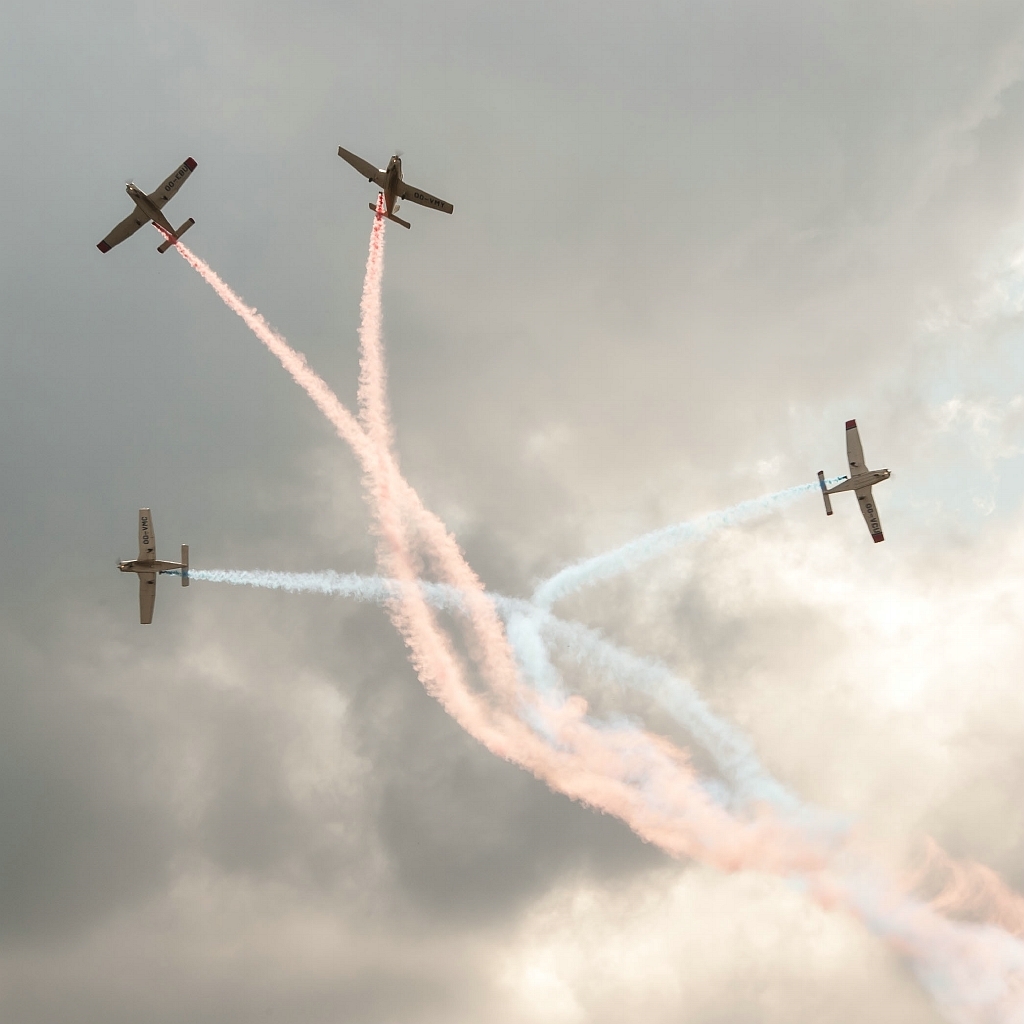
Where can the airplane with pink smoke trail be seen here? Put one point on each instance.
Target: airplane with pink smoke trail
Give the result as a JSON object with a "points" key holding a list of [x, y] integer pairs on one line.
{"points": [[859, 481], [389, 179], [147, 566], [148, 207]]}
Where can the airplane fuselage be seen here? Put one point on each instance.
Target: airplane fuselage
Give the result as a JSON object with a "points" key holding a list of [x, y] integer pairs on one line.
{"points": [[855, 483], [143, 202], [392, 182], [134, 565]]}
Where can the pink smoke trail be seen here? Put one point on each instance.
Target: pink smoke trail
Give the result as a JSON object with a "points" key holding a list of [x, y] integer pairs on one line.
{"points": [[488, 643]]}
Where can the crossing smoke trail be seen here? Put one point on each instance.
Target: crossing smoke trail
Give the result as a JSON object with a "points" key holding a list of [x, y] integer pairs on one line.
{"points": [[640, 778], [532, 632], [975, 973]]}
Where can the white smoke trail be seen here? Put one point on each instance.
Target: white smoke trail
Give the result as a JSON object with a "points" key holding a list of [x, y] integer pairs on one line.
{"points": [[369, 589], [635, 552], [372, 589]]}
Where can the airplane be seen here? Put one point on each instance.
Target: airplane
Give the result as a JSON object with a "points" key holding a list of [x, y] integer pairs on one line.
{"points": [[148, 207], [859, 481], [148, 567], [390, 180]]}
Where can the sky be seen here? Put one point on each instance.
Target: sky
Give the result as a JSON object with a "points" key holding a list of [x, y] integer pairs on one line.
{"points": [[690, 240]]}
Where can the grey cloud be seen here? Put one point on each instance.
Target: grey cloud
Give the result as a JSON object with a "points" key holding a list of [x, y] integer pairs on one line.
{"points": [[689, 240]]}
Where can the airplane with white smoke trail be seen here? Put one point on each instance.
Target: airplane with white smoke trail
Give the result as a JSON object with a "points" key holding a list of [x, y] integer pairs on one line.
{"points": [[147, 566], [389, 179], [859, 481], [148, 208]]}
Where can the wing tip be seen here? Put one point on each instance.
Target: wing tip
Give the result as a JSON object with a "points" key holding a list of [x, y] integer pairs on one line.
{"points": [[851, 424], [103, 247], [191, 164], [877, 537]]}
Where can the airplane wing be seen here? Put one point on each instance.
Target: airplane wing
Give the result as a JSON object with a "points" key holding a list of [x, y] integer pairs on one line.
{"points": [[172, 184], [147, 538], [127, 227], [854, 451], [415, 195], [364, 167], [869, 512], [147, 596]]}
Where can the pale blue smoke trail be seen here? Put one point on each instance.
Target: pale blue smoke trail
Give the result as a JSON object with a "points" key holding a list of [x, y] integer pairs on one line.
{"points": [[642, 549]]}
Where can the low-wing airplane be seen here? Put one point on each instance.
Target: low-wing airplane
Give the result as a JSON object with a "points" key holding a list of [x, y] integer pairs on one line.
{"points": [[390, 180], [859, 481], [148, 207], [148, 567]]}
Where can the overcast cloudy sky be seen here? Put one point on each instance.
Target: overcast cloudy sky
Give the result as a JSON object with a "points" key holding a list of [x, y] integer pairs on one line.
{"points": [[690, 240]]}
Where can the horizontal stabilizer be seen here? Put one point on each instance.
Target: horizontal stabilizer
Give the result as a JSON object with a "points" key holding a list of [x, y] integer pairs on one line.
{"points": [[391, 216], [164, 246], [824, 493]]}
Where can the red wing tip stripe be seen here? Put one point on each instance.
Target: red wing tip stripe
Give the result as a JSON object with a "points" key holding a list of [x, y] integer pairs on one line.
{"points": [[877, 538], [851, 424], [190, 164], [103, 247]]}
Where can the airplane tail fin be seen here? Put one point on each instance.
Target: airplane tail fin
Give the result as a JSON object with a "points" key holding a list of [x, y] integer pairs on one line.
{"points": [[165, 245], [824, 493], [391, 216], [184, 563]]}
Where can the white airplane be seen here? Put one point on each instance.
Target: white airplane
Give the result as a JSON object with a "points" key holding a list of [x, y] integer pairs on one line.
{"points": [[148, 207], [859, 481], [148, 567], [390, 180]]}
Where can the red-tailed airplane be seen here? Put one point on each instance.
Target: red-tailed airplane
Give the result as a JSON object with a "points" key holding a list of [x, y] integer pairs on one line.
{"points": [[390, 180], [148, 207], [859, 481], [148, 567]]}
